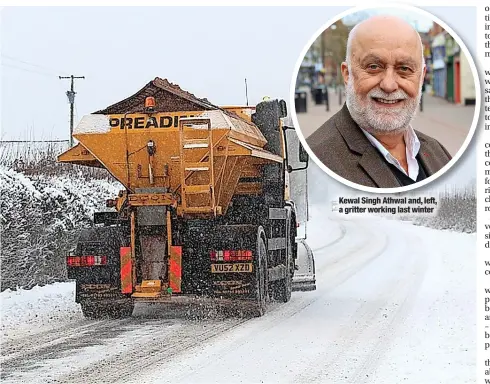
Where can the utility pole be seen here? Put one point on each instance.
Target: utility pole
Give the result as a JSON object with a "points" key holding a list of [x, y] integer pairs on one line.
{"points": [[71, 99]]}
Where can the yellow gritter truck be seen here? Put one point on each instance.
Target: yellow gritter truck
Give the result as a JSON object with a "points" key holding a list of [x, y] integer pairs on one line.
{"points": [[206, 212]]}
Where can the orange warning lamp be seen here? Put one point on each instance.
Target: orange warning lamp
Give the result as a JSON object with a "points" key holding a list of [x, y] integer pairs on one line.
{"points": [[150, 103]]}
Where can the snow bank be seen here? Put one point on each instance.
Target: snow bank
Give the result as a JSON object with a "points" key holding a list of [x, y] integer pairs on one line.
{"points": [[36, 308]]}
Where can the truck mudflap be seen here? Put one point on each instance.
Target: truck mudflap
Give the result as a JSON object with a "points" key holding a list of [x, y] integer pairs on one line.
{"points": [[96, 265], [101, 293], [235, 286], [235, 278], [304, 277], [220, 261]]}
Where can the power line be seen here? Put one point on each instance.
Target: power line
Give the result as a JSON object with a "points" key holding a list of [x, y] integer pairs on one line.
{"points": [[55, 71], [26, 70]]}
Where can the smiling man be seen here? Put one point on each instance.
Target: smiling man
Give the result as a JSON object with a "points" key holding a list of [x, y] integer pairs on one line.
{"points": [[370, 140]]}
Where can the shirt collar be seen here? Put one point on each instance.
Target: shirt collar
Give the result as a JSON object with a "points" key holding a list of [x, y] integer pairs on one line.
{"points": [[412, 144]]}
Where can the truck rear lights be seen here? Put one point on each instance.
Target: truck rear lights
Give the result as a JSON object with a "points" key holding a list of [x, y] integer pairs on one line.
{"points": [[231, 255], [86, 261]]}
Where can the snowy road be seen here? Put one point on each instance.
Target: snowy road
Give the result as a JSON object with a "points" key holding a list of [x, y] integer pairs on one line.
{"points": [[395, 303]]}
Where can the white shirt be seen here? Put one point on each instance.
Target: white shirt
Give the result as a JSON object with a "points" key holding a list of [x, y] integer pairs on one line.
{"points": [[412, 145]]}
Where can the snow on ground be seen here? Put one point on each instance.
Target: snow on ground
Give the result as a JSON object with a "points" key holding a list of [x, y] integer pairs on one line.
{"points": [[29, 311], [329, 231], [395, 303]]}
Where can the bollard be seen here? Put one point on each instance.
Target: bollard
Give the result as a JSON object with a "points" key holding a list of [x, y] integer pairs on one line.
{"points": [[340, 96], [300, 103], [318, 96], [327, 103]]}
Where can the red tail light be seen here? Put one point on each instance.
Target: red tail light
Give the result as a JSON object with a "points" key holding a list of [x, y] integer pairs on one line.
{"points": [[89, 260], [73, 261], [231, 255], [226, 255], [86, 261]]}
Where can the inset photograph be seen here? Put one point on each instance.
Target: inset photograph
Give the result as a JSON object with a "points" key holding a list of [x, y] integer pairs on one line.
{"points": [[386, 99]]}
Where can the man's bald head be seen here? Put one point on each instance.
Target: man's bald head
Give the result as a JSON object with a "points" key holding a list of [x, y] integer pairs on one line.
{"points": [[383, 73], [378, 28]]}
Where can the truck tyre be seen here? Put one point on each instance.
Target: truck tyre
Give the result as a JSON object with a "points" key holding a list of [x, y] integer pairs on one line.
{"points": [[101, 311], [261, 280]]}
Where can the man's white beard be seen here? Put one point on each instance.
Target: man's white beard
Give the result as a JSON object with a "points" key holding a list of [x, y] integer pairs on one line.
{"points": [[381, 120]]}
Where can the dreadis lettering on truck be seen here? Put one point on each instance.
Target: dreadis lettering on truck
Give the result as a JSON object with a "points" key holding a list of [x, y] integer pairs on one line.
{"points": [[145, 121]]}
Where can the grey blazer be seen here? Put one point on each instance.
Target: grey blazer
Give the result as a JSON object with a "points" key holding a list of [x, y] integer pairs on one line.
{"points": [[344, 149]]}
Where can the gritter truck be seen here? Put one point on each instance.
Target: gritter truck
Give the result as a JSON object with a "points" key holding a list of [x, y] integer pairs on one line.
{"points": [[206, 212]]}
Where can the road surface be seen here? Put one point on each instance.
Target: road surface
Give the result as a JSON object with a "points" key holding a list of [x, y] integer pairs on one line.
{"points": [[394, 304]]}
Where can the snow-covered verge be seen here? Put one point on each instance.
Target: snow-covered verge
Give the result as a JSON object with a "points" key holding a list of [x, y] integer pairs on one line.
{"points": [[40, 220], [30, 310], [457, 212]]}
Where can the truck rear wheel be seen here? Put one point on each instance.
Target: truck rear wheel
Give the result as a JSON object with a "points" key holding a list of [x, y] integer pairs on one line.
{"points": [[113, 311], [261, 280]]}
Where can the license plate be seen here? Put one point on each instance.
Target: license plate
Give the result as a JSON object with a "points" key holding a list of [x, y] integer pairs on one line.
{"points": [[227, 268]]}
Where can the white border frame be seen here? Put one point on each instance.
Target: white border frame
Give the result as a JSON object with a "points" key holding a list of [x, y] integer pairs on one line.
{"points": [[460, 152]]}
